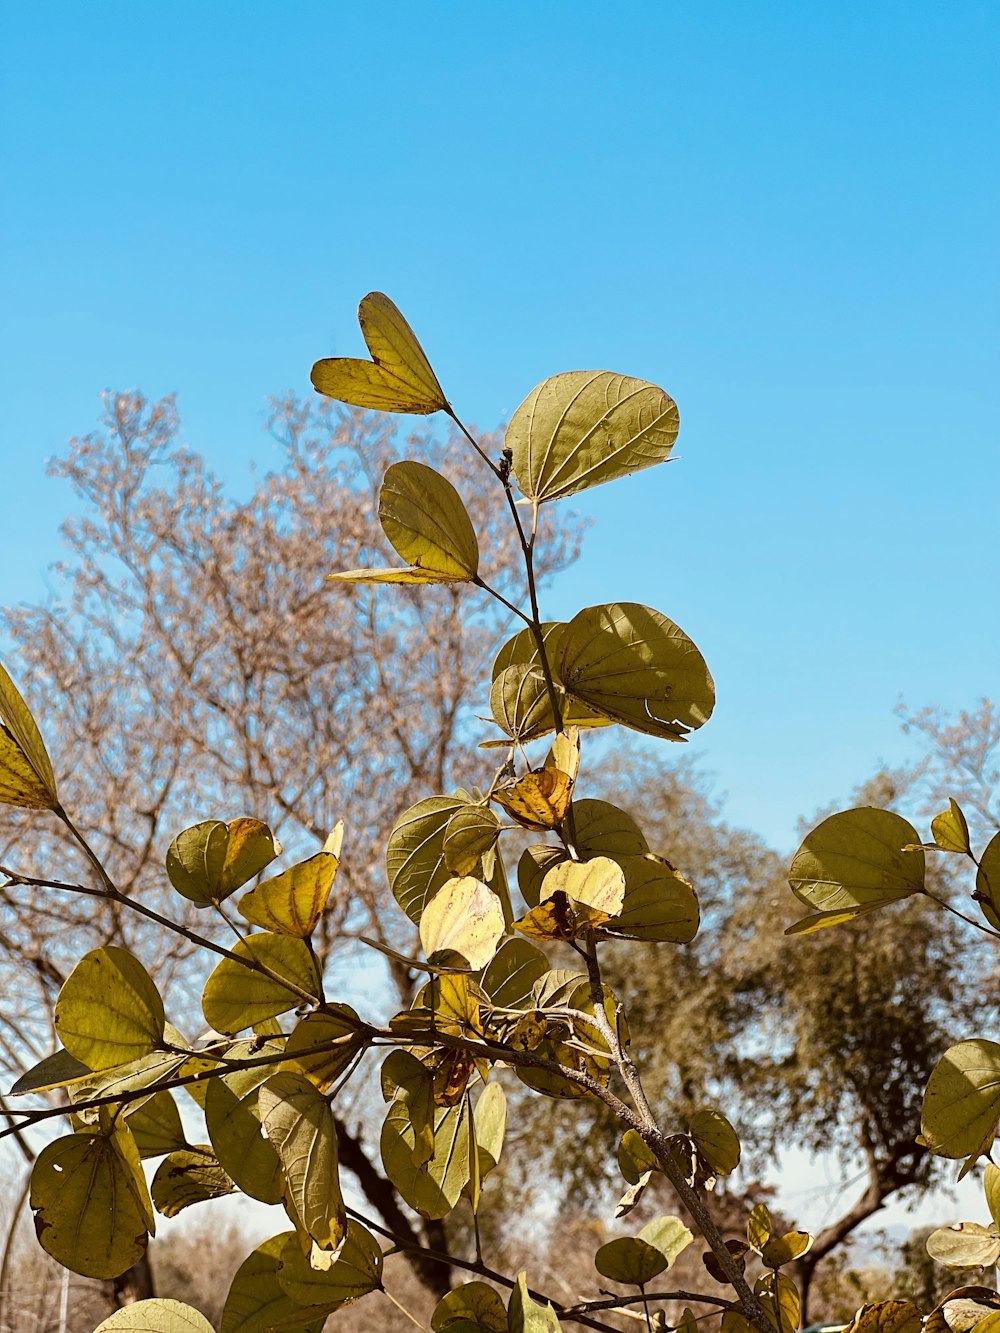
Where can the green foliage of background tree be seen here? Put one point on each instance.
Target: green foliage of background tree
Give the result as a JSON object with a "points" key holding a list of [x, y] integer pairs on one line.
{"points": [[493, 1004]]}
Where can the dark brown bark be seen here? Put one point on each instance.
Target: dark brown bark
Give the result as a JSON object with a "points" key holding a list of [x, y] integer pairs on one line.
{"points": [[135, 1284]]}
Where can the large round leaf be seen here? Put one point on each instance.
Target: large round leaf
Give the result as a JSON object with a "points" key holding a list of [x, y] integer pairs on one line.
{"points": [[257, 1302], [966, 1245], [988, 881], [474, 1307], [237, 997], [660, 904], [584, 427], [398, 378], [109, 1012], [414, 857], [90, 1204], [425, 520], [635, 667], [356, 1271], [515, 968], [155, 1316], [854, 861], [962, 1100], [463, 922]]}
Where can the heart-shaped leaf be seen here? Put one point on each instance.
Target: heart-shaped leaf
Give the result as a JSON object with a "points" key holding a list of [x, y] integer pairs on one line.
{"points": [[398, 378], [211, 860], [584, 427], [855, 861], [962, 1100], [109, 1011], [291, 903], [356, 1271], [965, 1245], [236, 997], [257, 1302], [474, 1307]]}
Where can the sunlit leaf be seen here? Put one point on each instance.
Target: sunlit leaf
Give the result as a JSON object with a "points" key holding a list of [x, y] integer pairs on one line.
{"points": [[669, 1235], [90, 1204], [637, 668], [991, 1188], [109, 1010], [988, 881], [759, 1226], [635, 1157], [784, 1249], [950, 829], [462, 923], [156, 1125], [598, 884], [630, 1260], [398, 378], [602, 829], [584, 427], [155, 1316], [780, 1298], [489, 1121], [540, 799], [855, 859], [962, 1100], [291, 903], [186, 1177], [965, 1245], [426, 522], [26, 777], [256, 1302], [211, 860], [659, 904], [415, 860], [525, 1315], [300, 1126], [520, 704], [236, 997]]}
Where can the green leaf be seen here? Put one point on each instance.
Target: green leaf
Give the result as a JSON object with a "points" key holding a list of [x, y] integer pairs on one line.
{"points": [[236, 997], [535, 863], [335, 1027], [659, 904], [784, 1249], [211, 860], [156, 1125], [637, 668], [715, 1140], [471, 834], [109, 1011], [356, 1271], [90, 1205], [962, 1100], [965, 1245], [291, 903], [462, 924], [257, 1302], [520, 704], [855, 859], [398, 378], [988, 881], [474, 1307], [415, 860], [602, 829], [433, 1187], [635, 1157], [26, 777], [513, 971], [532, 716], [426, 522], [489, 1121], [186, 1177], [300, 1126], [155, 1316], [52, 1071], [233, 1120], [585, 427], [950, 829], [526, 1316], [630, 1260]]}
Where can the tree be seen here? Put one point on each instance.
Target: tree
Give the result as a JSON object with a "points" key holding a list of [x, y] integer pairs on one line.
{"points": [[494, 1007]]}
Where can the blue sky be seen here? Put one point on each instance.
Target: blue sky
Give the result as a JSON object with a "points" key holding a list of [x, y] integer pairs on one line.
{"points": [[785, 214]]}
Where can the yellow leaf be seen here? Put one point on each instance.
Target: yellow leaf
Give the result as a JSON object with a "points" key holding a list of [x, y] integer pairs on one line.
{"points": [[425, 520], [291, 903], [155, 1316], [109, 1012], [398, 378], [541, 798], [26, 777], [465, 918], [237, 997]]}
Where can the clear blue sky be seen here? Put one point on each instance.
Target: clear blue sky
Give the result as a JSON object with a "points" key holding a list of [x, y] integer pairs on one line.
{"points": [[784, 213]]}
